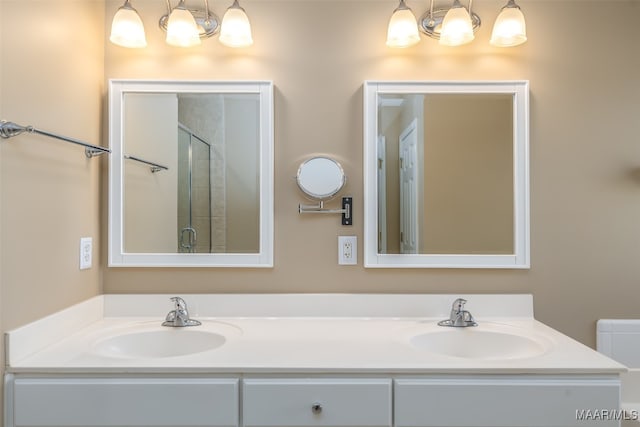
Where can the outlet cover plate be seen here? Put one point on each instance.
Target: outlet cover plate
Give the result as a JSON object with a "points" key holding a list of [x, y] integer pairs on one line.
{"points": [[347, 250]]}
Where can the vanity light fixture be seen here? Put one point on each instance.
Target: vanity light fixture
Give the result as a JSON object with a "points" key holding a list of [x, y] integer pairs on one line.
{"points": [[457, 24], [235, 29], [185, 26], [403, 27], [127, 29], [510, 28]]}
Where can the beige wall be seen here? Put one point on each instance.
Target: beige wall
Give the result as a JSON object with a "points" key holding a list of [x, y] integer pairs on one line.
{"points": [[584, 147], [52, 77], [242, 164], [469, 207], [150, 201]]}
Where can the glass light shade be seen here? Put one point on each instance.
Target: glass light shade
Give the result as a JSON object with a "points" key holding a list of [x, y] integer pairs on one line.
{"points": [[457, 28], [127, 29], [403, 28], [235, 30], [182, 30], [509, 28]]}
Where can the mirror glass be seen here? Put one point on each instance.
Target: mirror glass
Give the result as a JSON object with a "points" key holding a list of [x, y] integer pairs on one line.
{"points": [[191, 173], [320, 178], [446, 169]]}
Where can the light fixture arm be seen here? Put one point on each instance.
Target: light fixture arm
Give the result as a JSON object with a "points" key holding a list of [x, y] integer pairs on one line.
{"points": [[208, 22], [401, 6], [206, 10], [511, 4], [430, 22]]}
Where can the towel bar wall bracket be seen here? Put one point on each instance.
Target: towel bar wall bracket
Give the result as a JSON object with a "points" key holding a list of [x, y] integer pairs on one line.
{"points": [[10, 129], [346, 211]]}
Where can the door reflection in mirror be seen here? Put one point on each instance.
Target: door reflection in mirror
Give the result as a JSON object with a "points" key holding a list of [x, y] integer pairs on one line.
{"points": [[194, 192], [445, 179]]}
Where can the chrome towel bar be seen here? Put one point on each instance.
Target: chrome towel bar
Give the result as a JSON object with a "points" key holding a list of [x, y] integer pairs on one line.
{"points": [[155, 167], [10, 129]]}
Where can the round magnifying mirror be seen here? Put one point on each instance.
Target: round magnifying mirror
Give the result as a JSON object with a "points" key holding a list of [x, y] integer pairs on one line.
{"points": [[320, 178]]}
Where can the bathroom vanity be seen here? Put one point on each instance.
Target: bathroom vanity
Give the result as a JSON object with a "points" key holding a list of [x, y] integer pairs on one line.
{"points": [[303, 360]]}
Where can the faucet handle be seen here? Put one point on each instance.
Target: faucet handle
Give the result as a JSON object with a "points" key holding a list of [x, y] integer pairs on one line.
{"points": [[180, 304], [458, 305], [179, 316]]}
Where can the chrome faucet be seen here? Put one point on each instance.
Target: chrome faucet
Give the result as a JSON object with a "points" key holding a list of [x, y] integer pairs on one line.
{"points": [[179, 316], [459, 317]]}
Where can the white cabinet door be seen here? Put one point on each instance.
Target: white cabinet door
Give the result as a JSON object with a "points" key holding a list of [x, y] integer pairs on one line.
{"points": [[108, 402], [502, 402], [317, 402]]}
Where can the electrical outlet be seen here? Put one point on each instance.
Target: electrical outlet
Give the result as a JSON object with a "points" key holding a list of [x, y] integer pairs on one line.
{"points": [[86, 252], [347, 250]]}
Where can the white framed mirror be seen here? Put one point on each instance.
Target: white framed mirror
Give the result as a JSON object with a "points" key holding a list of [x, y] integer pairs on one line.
{"points": [[191, 174], [446, 168]]}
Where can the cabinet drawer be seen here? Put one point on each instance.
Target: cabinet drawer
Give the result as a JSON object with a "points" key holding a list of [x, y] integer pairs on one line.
{"points": [[503, 402], [271, 402], [125, 402]]}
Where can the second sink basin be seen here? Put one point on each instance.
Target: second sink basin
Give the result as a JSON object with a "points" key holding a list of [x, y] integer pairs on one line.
{"points": [[480, 343]]}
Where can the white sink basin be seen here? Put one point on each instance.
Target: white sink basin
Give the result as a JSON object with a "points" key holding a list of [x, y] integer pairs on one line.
{"points": [[159, 342], [479, 343]]}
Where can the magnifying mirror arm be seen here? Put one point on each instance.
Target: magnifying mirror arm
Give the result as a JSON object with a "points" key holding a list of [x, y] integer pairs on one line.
{"points": [[346, 211]]}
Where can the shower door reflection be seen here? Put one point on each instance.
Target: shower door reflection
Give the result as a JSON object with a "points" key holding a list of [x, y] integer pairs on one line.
{"points": [[194, 193]]}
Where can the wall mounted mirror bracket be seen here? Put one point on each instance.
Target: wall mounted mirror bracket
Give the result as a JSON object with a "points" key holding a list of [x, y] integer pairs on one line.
{"points": [[346, 211], [321, 178]]}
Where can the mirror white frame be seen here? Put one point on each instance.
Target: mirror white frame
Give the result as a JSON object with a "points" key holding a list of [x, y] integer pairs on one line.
{"points": [[117, 255], [521, 256]]}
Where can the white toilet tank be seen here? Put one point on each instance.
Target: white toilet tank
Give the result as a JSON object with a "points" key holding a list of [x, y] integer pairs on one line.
{"points": [[620, 340]]}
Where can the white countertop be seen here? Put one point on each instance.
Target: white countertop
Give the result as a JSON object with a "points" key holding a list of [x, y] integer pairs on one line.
{"points": [[296, 334]]}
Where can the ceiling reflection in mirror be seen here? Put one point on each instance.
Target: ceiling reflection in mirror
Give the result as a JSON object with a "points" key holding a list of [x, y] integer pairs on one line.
{"points": [[194, 174], [446, 174]]}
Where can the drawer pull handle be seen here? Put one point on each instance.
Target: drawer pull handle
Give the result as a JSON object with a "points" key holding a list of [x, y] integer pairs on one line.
{"points": [[316, 408]]}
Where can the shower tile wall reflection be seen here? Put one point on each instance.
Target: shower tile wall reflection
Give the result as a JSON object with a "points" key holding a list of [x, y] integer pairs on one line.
{"points": [[204, 116], [208, 199]]}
